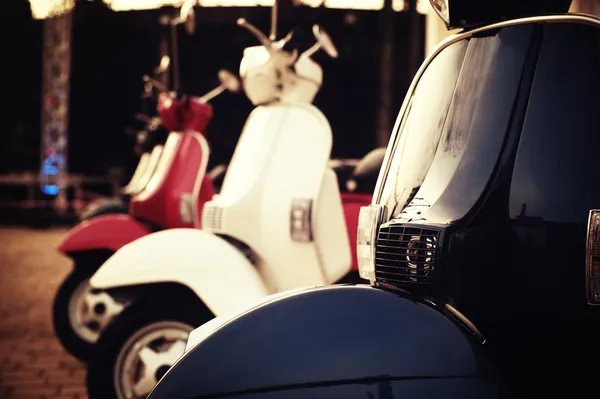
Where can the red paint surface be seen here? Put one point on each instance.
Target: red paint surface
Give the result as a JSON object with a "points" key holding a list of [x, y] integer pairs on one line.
{"points": [[167, 111], [162, 205], [103, 232], [184, 114], [352, 203]]}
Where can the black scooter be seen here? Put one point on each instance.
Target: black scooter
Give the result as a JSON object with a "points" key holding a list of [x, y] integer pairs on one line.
{"points": [[481, 245]]}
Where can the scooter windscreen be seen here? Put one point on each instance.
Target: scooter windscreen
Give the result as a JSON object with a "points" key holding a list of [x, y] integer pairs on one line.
{"points": [[334, 342]]}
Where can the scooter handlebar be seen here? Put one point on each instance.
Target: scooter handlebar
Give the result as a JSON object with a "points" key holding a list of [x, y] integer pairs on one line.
{"points": [[262, 38], [155, 83]]}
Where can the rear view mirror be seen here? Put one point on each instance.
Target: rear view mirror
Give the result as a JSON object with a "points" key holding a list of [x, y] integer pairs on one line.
{"points": [[187, 16], [165, 61], [229, 81]]}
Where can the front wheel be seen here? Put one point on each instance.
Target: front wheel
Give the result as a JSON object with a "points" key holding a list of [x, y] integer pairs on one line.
{"points": [[80, 313], [140, 345]]}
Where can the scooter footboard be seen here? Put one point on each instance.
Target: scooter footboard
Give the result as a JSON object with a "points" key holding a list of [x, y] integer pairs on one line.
{"points": [[217, 272]]}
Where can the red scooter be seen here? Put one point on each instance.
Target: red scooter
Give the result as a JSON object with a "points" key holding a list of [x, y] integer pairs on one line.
{"points": [[173, 198]]}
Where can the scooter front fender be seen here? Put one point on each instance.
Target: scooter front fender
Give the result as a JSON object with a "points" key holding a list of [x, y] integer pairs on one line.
{"points": [[348, 336], [103, 232], [217, 272]]}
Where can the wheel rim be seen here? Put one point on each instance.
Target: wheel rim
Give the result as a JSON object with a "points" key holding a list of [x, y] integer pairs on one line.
{"points": [[147, 355], [90, 311]]}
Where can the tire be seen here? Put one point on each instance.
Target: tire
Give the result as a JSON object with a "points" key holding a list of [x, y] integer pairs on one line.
{"points": [[76, 334], [117, 354], [70, 340]]}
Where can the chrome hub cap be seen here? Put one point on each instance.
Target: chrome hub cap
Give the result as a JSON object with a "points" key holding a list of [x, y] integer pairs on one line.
{"points": [[91, 310], [147, 356]]}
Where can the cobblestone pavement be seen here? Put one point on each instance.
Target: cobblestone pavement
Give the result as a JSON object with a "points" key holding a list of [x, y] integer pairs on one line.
{"points": [[33, 365]]}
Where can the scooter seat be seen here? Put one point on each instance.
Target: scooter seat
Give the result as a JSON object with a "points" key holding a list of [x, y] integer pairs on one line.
{"points": [[364, 176], [343, 168]]}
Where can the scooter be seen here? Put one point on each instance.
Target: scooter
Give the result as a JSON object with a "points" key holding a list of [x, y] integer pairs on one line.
{"points": [[150, 143], [172, 198], [279, 223]]}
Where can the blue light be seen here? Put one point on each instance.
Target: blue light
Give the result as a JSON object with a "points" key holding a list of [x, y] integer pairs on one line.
{"points": [[49, 190], [49, 174]]}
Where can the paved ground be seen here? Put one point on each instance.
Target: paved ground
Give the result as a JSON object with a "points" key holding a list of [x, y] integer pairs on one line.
{"points": [[33, 365]]}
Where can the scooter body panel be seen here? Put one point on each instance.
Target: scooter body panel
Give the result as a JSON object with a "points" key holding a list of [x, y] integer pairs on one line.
{"points": [[180, 172], [263, 351], [103, 232], [264, 179], [153, 160], [211, 267], [137, 174], [262, 84]]}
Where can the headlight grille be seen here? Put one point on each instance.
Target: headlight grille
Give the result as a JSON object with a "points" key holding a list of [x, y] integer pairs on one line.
{"points": [[406, 255]]}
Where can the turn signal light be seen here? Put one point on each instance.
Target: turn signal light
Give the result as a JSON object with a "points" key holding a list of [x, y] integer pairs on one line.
{"points": [[369, 220], [592, 258], [300, 220]]}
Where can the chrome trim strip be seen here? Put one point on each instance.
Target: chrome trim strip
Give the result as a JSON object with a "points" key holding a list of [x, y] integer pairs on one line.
{"points": [[383, 172], [588, 259], [468, 323]]}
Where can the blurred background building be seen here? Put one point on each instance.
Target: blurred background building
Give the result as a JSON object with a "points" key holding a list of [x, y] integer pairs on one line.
{"points": [[381, 44]]}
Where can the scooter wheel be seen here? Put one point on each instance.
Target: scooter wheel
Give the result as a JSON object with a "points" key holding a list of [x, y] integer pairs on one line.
{"points": [[75, 340], [80, 313], [140, 345]]}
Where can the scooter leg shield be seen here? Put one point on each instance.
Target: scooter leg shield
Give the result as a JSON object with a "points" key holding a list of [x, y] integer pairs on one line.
{"points": [[217, 272], [103, 232], [336, 341]]}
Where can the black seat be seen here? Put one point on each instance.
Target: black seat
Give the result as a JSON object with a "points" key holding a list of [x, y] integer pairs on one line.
{"points": [[364, 176], [343, 168]]}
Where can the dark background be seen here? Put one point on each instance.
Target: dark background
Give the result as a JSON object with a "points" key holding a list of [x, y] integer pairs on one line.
{"points": [[112, 50]]}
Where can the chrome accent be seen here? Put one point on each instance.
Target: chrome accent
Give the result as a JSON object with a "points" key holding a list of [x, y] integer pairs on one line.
{"points": [[591, 251], [467, 323], [186, 208], [212, 218], [406, 254]]}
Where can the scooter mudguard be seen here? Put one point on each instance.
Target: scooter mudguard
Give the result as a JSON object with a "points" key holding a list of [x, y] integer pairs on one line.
{"points": [[217, 272], [207, 328], [307, 345], [103, 232]]}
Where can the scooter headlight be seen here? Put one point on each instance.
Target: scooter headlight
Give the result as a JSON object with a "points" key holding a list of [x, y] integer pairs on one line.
{"points": [[369, 220]]}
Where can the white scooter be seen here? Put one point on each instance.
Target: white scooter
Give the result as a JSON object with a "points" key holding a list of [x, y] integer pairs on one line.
{"points": [[277, 224]]}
